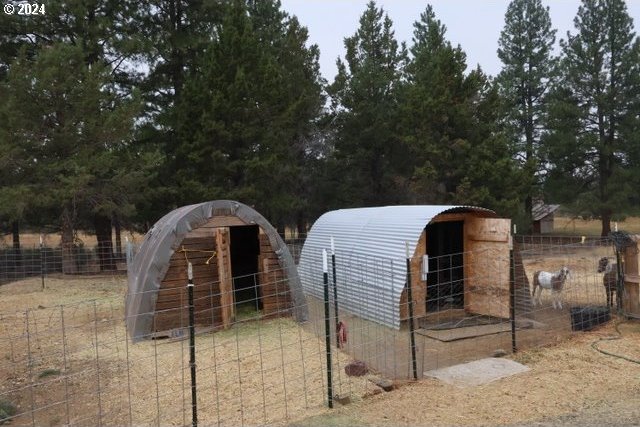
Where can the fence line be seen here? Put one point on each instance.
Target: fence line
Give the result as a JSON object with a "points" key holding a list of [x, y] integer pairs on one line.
{"points": [[74, 363]]}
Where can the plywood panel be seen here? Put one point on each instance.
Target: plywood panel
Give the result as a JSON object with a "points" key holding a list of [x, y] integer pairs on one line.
{"points": [[488, 229], [223, 221], [631, 297], [631, 259], [223, 246], [418, 286], [486, 266]]}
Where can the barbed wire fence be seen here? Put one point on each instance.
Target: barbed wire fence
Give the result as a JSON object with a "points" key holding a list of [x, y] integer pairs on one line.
{"points": [[70, 361]]}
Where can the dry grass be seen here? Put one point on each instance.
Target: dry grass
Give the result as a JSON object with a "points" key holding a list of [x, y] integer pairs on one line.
{"points": [[584, 285], [565, 226], [259, 372], [565, 380], [30, 240], [264, 372]]}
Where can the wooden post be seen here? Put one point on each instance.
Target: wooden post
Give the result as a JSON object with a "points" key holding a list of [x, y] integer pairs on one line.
{"points": [[227, 300]]}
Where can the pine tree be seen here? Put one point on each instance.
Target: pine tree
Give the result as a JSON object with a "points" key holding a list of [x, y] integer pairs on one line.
{"points": [[75, 136], [106, 35], [525, 49], [450, 126], [594, 106], [248, 113], [365, 112], [436, 111]]}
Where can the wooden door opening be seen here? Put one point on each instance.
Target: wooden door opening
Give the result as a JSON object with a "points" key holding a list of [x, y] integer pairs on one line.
{"points": [[244, 251], [445, 280]]}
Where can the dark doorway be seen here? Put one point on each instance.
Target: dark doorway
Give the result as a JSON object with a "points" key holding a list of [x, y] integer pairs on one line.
{"points": [[445, 280], [245, 249]]}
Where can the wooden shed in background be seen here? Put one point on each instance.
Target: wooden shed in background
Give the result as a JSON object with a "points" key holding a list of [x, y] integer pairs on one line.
{"points": [[543, 217], [459, 258], [239, 263]]}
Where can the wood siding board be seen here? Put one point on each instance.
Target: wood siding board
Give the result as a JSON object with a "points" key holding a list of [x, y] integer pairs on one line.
{"points": [[223, 245]]}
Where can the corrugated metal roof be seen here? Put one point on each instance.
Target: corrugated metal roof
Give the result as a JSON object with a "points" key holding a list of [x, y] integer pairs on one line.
{"points": [[540, 210], [150, 264], [370, 255]]}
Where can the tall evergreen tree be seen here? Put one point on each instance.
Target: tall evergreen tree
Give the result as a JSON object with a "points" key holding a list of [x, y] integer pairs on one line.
{"points": [[76, 134], [173, 35], [436, 111], [103, 32], [449, 125], [594, 105], [248, 113], [525, 49], [365, 108]]}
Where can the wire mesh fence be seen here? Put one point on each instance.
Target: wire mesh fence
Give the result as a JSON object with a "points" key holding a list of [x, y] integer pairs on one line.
{"points": [[44, 261], [69, 359]]}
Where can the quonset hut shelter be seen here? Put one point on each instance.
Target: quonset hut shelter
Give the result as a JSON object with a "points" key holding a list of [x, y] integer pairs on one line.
{"points": [[465, 248], [238, 260]]}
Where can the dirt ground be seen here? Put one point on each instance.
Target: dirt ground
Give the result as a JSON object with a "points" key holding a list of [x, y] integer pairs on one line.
{"points": [[65, 359], [569, 384]]}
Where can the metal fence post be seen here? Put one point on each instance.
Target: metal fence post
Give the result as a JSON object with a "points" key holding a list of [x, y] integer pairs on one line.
{"points": [[42, 261], [192, 348], [327, 326], [414, 363], [512, 296], [335, 291]]}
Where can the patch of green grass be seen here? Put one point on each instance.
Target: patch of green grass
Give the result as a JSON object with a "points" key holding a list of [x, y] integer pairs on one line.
{"points": [[246, 311], [49, 373], [7, 410]]}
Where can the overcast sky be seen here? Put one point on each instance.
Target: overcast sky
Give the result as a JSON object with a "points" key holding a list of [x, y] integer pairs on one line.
{"points": [[474, 24]]}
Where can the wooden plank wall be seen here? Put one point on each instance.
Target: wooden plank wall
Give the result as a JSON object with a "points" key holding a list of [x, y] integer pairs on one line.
{"points": [[172, 304], [213, 290], [274, 286]]}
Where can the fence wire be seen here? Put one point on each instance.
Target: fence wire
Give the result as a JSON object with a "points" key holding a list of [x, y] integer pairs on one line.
{"points": [[67, 357]]}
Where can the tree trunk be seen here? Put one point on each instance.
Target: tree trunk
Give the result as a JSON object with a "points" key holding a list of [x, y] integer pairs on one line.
{"points": [[301, 226], [17, 252], [69, 265], [116, 224], [606, 224], [528, 211], [102, 225]]}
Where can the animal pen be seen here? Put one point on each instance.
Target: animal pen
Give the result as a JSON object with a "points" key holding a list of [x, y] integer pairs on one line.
{"points": [[78, 361], [240, 264], [471, 285]]}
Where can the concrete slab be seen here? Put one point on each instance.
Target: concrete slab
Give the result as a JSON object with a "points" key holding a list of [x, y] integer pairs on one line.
{"points": [[477, 372]]}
